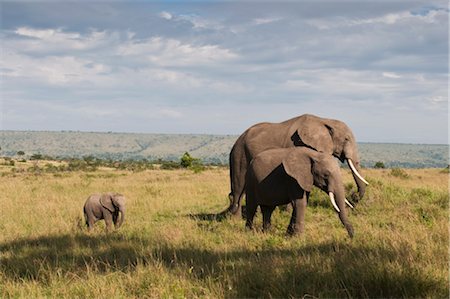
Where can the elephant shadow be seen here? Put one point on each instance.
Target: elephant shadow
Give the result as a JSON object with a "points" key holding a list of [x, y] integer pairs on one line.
{"points": [[354, 271], [219, 217], [210, 216]]}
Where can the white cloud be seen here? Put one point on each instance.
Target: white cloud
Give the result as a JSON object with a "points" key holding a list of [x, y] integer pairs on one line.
{"points": [[297, 84], [402, 17], [157, 59], [166, 15], [196, 21], [46, 34], [170, 113], [53, 70], [391, 75], [366, 86], [171, 52], [405, 16], [438, 100], [45, 40], [262, 21]]}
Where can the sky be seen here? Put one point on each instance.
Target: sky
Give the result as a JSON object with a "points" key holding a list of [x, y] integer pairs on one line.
{"points": [[219, 67]]}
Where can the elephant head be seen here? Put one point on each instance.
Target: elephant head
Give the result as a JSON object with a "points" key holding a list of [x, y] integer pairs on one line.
{"points": [[322, 171], [114, 202], [332, 137]]}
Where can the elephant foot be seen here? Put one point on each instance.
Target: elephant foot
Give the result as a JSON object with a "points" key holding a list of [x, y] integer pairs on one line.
{"points": [[249, 226], [237, 215], [267, 227], [294, 231], [291, 231]]}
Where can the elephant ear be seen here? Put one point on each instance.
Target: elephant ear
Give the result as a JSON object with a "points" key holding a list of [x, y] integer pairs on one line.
{"points": [[118, 200], [316, 134], [106, 202], [298, 165]]}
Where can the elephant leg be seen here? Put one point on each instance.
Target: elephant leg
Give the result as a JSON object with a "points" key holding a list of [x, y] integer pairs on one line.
{"points": [[115, 216], [297, 223], [251, 211], [90, 223], [108, 220], [89, 219], [267, 214]]}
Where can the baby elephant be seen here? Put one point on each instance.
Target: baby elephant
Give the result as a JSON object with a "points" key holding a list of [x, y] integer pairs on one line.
{"points": [[287, 175], [104, 206]]}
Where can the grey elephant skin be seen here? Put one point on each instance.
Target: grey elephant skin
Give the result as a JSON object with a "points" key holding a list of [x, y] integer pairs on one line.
{"points": [[287, 175], [329, 136], [105, 206]]}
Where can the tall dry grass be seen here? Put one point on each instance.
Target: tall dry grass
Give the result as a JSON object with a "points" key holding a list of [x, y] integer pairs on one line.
{"points": [[171, 247]]}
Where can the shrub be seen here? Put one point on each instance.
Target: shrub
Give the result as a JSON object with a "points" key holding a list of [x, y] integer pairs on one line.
{"points": [[186, 160], [169, 165], [379, 164], [36, 157], [399, 173], [77, 164], [197, 168]]}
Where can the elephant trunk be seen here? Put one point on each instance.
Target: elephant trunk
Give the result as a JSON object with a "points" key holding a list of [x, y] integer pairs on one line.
{"points": [[360, 181], [339, 204]]}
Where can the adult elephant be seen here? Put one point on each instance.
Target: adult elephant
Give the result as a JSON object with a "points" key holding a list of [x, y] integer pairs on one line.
{"points": [[286, 175], [325, 135]]}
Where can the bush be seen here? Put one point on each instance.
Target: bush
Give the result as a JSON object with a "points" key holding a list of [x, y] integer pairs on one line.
{"points": [[186, 160], [400, 173], [77, 164], [36, 157], [379, 164], [197, 168], [169, 165]]}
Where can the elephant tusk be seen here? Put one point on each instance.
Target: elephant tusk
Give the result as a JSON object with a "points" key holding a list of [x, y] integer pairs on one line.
{"points": [[353, 168], [349, 204], [334, 202]]}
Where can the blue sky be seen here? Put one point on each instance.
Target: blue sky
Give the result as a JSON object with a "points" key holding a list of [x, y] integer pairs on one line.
{"points": [[219, 67]]}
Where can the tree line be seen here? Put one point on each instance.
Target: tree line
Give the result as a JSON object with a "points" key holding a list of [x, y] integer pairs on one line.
{"points": [[92, 163]]}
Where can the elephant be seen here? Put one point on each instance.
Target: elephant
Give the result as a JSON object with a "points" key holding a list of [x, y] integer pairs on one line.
{"points": [[287, 175], [105, 206], [329, 136]]}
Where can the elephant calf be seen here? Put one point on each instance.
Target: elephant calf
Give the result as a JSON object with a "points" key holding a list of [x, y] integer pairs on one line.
{"points": [[286, 175], [104, 206]]}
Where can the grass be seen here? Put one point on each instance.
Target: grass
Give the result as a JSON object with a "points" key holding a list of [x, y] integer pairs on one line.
{"points": [[170, 246]]}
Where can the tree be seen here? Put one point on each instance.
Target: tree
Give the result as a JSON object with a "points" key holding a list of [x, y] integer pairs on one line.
{"points": [[36, 157], [186, 160], [20, 153], [379, 164]]}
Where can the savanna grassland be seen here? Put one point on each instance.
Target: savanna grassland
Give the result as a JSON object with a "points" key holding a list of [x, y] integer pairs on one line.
{"points": [[171, 246]]}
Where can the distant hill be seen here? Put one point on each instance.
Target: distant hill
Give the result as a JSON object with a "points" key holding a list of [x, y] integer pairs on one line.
{"points": [[209, 148]]}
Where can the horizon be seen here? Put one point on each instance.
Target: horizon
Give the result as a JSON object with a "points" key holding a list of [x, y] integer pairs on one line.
{"points": [[193, 134], [219, 67]]}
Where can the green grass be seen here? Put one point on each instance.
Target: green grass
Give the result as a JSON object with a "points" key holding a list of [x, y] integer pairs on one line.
{"points": [[171, 246]]}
